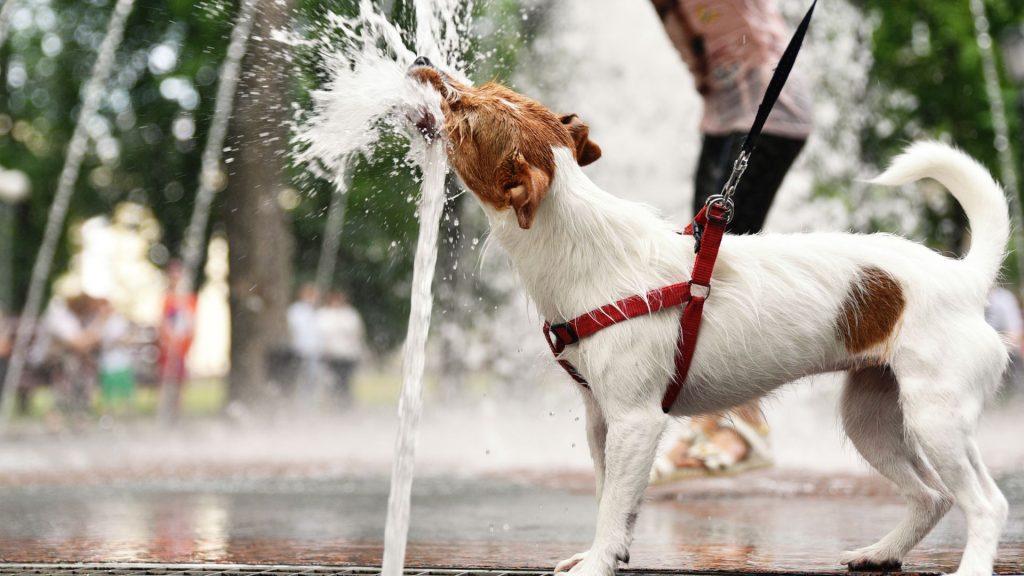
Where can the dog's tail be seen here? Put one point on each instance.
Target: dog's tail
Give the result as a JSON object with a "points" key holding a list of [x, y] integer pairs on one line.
{"points": [[974, 188]]}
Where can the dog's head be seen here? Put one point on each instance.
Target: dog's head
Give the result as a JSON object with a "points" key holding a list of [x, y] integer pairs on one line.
{"points": [[501, 142]]}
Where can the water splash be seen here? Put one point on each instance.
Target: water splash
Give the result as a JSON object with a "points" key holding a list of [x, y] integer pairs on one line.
{"points": [[370, 91], [91, 100]]}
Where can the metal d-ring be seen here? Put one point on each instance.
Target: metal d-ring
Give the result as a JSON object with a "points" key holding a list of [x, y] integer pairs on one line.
{"points": [[722, 201]]}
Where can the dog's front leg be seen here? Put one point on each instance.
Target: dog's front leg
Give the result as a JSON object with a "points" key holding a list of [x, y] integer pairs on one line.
{"points": [[597, 434], [632, 439]]}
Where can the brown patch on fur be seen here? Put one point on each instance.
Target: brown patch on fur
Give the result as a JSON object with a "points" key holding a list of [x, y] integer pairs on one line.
{"points": [[871, 310], [500, 142]]}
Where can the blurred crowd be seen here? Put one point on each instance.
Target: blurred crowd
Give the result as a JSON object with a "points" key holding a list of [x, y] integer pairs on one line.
{"points": [[91, 360]]}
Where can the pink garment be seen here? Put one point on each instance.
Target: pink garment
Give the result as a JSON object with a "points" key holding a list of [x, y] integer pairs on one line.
{"points": [[732, 48]]}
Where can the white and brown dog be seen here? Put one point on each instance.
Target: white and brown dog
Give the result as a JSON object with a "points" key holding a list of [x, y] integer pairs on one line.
{"points": [[906, 323]]}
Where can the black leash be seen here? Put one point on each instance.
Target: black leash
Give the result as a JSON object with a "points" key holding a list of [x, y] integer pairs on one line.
{"points": [[771, 95]]}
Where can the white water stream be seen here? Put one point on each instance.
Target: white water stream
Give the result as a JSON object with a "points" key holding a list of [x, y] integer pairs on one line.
{"points": [[370, 91], [410, 405], [93, 97], [5, 19], [210, 174]]}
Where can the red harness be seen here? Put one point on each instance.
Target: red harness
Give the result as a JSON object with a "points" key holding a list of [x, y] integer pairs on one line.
{"points": [[707, 229]]}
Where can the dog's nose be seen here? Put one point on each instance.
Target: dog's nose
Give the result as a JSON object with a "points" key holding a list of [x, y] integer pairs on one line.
{"points": [[422, 61]]}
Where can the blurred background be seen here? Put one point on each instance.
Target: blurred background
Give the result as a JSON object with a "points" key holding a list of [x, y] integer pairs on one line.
{"points": [[282, 358]]}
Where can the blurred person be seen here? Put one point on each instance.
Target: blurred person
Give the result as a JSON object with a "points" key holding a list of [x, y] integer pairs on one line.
{"points": [[6, 343], [1003, 313], [66, 344], [343, 341], [177, 329], [300, 362], [732, 48], [8, 332], [116, 365]]}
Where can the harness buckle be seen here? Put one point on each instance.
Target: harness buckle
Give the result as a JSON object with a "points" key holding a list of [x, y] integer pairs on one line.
{"points": [[698, 235], [699, 290], [560, 335]]}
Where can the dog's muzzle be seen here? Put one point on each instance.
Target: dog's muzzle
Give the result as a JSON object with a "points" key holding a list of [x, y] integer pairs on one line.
{"points": [[423, 119]]}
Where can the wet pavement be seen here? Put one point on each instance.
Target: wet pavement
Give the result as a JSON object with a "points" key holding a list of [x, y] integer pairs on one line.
{"points": [[773, 521]]}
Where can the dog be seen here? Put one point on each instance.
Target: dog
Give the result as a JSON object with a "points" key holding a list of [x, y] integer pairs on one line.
{"points": [[905, 323]]}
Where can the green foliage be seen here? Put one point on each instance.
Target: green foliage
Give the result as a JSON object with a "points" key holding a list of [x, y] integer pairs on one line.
{"points": [[927, 81], [157, 113], [134, 153]]}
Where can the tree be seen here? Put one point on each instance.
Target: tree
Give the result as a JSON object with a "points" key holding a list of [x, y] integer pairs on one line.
{"points": [[144, 147], [928, 82], [260, 243]]}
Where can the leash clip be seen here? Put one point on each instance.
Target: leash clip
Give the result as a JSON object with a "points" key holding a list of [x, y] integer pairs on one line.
{"points": [[724, 199], [722, 202]]}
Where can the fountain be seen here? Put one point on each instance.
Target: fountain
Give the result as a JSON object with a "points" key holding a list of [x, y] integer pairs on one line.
{"points": [[5, 19], [410, 405], [210, 176], [370, 91], [210, 173], [93, 97]]}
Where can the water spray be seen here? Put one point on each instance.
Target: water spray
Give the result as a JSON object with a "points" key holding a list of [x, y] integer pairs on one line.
{"points": [[371, 90]]}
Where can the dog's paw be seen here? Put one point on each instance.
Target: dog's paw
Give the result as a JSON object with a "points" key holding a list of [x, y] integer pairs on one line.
{"points": [[870, 559], [569, 563], [588, 564]]}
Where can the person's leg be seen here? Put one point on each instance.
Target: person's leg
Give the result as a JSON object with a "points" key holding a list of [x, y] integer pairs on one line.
{"points": [[765, 172], [711, 172], [768, 165], [342, 370]]}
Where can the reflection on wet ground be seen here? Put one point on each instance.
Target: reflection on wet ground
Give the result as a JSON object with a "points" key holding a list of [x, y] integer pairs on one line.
{"points": [[772, 521]]}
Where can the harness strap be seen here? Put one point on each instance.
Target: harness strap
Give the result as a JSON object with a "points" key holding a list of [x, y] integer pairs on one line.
{"points": [[712, 221], [562, 335], [715, 219]]}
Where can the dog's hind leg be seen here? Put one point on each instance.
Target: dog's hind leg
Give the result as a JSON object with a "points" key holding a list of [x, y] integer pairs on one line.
{"points": [[991, 489], [874, 422], [941, 415]]}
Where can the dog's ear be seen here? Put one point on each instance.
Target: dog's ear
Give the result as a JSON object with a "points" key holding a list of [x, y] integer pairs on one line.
{"points": [[586, 151], [525, 186]]}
